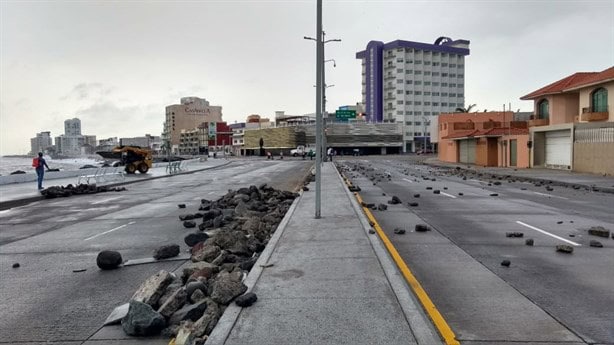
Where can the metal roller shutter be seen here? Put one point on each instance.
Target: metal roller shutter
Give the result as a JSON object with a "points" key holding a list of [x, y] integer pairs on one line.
{"points": [[467, 151], [558, 148]]}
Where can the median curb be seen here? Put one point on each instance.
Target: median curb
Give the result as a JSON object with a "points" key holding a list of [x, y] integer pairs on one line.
{"points": [[5, 205], [553, 182], [425, 332], [226, 323]]}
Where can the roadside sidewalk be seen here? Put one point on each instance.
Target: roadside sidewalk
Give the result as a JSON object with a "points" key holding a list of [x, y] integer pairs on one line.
{"points": [[326, 281], [560, 177], [18, 194]]}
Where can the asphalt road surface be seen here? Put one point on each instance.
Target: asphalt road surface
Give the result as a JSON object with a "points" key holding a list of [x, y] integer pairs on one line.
{"points": [[45, 301], [543, 297]]}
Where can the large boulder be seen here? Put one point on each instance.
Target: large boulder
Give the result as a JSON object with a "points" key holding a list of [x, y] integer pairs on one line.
{"points": [[153, 288], [246, 300], [190, 312], [226, 286], [190, 268], [108, 260], [166, 251], [205, 252], [194, 238], [142, 320], [233, 241], [173, 303]]}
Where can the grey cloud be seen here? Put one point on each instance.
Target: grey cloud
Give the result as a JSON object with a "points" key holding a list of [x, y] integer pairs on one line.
{"points": [[108, 119], [83, 91]]}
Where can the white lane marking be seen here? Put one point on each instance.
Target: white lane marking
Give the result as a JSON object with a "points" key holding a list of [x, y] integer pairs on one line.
{"points": [[408, 180], [474, 180], [547, 233], [448, 195], [550, 195], [105, 200], [108, 231]]}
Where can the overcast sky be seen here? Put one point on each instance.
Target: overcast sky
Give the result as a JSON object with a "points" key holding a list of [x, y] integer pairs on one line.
{"points": [[117, 64]]}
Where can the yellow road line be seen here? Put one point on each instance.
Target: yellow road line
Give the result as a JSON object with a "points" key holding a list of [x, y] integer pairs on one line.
{"points": [[440, 323]]}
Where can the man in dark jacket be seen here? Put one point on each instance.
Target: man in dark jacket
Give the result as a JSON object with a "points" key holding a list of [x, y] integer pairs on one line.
{"points": [[40, 169]]}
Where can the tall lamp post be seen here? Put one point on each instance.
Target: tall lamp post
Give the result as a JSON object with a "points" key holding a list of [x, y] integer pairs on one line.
{"points": [[324, 86], [424, 133]]}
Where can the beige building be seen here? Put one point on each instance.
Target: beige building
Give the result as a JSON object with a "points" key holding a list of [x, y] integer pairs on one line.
{"points": [[191, 112], [573, 124]]}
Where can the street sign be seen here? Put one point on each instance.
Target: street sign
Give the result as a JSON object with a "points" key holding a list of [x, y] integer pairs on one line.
{"points": [[345, 114]]}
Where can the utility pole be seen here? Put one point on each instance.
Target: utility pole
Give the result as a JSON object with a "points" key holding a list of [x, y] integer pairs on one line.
{"points": [[319, 83]]}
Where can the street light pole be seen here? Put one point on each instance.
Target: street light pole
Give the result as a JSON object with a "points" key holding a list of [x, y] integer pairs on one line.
{"points": [[319, 82], [424, 133]]}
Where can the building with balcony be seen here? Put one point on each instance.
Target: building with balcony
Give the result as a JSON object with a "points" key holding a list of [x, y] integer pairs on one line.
{"points": [[493, 139], [410, 82], [572, 126], [238, 141]]}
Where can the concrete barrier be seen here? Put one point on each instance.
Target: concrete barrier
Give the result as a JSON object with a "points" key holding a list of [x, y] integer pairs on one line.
{"points": [[31, 176]]}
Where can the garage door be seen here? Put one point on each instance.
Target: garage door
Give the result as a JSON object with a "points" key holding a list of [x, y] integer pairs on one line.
{"points": [[467, 151], [558, 148]]}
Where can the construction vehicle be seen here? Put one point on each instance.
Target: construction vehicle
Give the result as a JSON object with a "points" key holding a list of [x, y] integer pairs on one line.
{"points": [[134, 158]]}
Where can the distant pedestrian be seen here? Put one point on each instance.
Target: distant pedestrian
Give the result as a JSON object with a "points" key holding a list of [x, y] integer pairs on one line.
{"points": [[39, 165], [281, 154], [311, 154], [330, 154]]}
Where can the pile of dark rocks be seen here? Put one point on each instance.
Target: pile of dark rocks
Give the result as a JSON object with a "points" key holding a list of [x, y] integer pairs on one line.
{"points": [[61, 191], [232, 233]]}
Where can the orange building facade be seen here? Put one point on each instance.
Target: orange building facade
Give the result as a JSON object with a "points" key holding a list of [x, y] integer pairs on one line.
{"points": [[491, 139]]}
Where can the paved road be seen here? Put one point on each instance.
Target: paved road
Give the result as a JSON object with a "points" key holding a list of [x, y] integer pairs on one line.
{"points": [[45, 301], [543, 297]]}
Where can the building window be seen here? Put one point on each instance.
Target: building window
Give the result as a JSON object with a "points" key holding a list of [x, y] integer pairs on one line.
{"points": [[460, 76], [409, 102], [400, 60], [435, 93], [399, 102], [435, 83], [418, 82], [418, 123], [444, 64], [418, 93], [409, 82], [409, 112], [399, 112], [427, 72], [444, 74], [436, 63], [418, 72], [418, 103], [399, 92], [599, 100], [409, 92], [427, 93], [444, 104], [399, 81], [418, 113], [408, 123], [452, 85], [435, 74], [444, 84], [444, 94], [399, 70], [452, 95], [427, 83], [452, 65], [427, 63], [409, 134], [418, 62], [452, 75], [409, 71], [435, 104], [427, 103], [543, 109]]}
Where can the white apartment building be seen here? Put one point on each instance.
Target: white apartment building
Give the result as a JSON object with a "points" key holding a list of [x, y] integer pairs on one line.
{"points": [[40, 143], [411, 83]]}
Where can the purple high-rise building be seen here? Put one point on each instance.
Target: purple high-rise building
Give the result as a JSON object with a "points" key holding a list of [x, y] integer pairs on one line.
{"points": [[408, 82]]}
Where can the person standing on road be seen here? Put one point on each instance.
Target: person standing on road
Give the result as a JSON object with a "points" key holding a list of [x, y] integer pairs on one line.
{"points": [[330, 154], [39, 165]]}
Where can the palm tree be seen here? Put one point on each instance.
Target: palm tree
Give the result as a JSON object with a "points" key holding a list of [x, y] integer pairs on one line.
{"points": [[465, 110]]}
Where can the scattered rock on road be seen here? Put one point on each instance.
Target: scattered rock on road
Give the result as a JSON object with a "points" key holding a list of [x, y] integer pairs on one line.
{"points": [[416, 195], [595, 244], [61, 191], [564, 248], [108, 259], [371, 231], [399, 231], [494, 194], [436, 191], [166, 251], [505, 263], [382, 207], [529, 242], [413, 204], [246, 300], [599, 231], [181, 205], [16, 265], [514, 234], [422, 228], [189, 224]]}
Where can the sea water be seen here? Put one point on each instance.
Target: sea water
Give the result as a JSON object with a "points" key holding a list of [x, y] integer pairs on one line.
{"points": [[10, 164]]}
